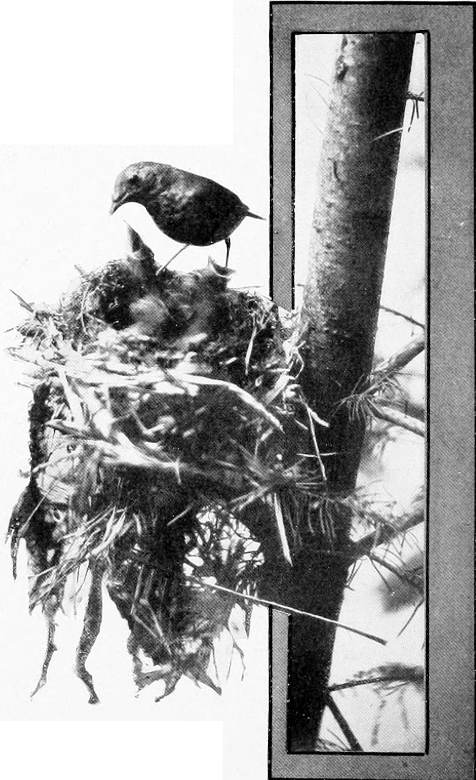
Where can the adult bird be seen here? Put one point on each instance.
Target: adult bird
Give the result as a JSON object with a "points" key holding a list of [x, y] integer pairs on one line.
{"points": [[186, 207]]}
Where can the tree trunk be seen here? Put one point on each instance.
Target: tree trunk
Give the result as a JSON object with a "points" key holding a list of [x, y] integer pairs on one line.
{"points": [[338, 325]]}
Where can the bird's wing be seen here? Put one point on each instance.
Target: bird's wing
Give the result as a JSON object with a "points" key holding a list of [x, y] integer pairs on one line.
{"points": [[195, 210]]}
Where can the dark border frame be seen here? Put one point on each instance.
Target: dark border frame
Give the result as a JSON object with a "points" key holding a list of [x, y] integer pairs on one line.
{"points": [[449, 304]]}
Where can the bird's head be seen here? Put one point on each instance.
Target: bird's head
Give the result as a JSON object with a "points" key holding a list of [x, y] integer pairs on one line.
{"points": [[133, 184]]}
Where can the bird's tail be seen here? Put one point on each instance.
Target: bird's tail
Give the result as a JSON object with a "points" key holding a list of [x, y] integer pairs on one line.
{"points": [[255, 216]]}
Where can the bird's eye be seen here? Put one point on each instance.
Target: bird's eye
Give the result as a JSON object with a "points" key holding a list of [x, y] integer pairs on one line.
{"points": [[134, 180]]}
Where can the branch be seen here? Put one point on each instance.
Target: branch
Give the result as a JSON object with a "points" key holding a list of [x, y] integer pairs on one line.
{"points": [[402, 575], [385, 534], [283, 608], [380, 381], [396, 417], [402, 315], [407, 674], [392, 365], [354, 744], [409, 620], [414, 409]]}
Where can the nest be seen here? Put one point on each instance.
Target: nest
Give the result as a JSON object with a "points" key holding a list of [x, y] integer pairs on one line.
{"points": [[173, 457]]}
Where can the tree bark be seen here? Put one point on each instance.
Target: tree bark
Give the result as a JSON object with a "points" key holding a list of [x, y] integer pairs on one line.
{"points": [[338, 325]]}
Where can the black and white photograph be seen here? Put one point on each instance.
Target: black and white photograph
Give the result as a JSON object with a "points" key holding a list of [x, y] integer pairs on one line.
{"points": [[226, 536], [361, 297]]}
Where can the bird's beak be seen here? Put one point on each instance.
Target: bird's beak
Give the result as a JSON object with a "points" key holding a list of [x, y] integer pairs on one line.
{"points": [[118, 200]]}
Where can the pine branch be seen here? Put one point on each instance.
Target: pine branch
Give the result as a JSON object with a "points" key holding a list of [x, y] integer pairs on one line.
{"points": [[414, 409], [409, 620], [382, 387], [354, 744], [385, 534], [402, 315], [392, 365], [402, 574], [283, 608], [396, 417], [399, 673]]}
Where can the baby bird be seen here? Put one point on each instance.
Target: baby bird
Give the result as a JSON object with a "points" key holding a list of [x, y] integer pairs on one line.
{"points": [[186, 207]]}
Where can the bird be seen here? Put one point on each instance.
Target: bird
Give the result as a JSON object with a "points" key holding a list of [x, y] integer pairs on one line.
{"points": [[188, 208]]}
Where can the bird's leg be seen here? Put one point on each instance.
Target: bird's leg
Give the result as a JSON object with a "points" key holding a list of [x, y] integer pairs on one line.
{"points": [[173, 257], [228, 245]]}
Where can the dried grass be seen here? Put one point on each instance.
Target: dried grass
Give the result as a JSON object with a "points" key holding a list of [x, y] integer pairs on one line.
{"points": [[169, 438]]}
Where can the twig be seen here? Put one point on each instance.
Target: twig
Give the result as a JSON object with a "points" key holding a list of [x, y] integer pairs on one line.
{"points": [[396, 417], [407, 622], [413, 408], [25, 304], [318, 78], [321, 96], [397, 361], [384, 535], [403, 576], [285, 608], [246, 397], [92, 375], [402, 315], [354, 744], [380, 574], [415, 676], [374, 398]]}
